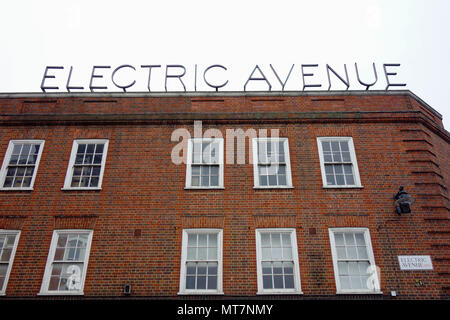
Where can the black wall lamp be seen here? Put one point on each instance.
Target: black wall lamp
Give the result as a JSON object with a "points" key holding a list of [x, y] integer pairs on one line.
{"points": [[403, 201]]}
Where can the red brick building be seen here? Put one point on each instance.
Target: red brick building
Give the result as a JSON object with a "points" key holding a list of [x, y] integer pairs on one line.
{"points": [[92, 202]]}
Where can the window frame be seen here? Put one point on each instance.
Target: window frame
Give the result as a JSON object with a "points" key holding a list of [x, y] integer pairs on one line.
{"points": [[219, 290], [7, 158], [256, 182], [50, 259], [70, 166], [11, 258], [297, 280], [370, 255], [189, 163], [352, 158]]}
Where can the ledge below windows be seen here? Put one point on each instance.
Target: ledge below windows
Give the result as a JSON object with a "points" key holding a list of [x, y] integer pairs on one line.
{"points": [[16, 189], [81, 189], [342, 187]]}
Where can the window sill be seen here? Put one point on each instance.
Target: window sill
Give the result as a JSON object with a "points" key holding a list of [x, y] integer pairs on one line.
{"points": [[16, 189], [81, 189], [60, 294], [358, 292], [273, 187], [196, 293], [343, 187], [279, 292], [204, 188]]}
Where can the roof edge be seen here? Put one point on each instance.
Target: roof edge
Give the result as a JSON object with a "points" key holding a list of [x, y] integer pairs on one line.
{"points": [[171, 94]]}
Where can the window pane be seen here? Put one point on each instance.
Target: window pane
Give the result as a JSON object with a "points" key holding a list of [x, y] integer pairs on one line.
{"points": [[202, 253], [346, 157], [330, 180], [212, 282], [8, 182], [276, 253], [195, 181], [287, 253], [339, 239], [191, 253], [335, 146], [353, 268], [212, 268], [192, 239], [26, 182], [362, 253], [341, 252], [214, 181], [266, 268], [212, 240], [81, 148], [276, 239], [351, 253], [190, 282], [349, 239], [214, 170], [191, 268], [360, 241], [340, 180], [201, 282], [6, 254], [356, 282], [345, 282], [350, 180], [344, 145], [99, 148], [267, 282], [201, 268], [286, 237], [90, 148], [282, 180], [263, 180], [266, 253], [289, 281], [272, 180], [205, 181], [326, 146], [16, 149], [212, 253], [329, 169], [343, 268], [202, 238], [265, 239], [278, 282]]}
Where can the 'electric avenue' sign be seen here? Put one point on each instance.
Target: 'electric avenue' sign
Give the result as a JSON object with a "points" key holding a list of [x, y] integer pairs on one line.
{"points": [[98, 79]]}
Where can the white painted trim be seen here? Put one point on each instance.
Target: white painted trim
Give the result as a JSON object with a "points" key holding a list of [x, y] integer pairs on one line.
{"points": [[297, 281], [189, 163], [69, 173], [256, 184], [219, 290], [51, 254], [7, 158], [370, 255], [11, 258], [353, 158]]}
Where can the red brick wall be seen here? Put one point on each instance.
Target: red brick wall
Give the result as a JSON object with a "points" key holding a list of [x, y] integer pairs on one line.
{"points": [[143, 190]]}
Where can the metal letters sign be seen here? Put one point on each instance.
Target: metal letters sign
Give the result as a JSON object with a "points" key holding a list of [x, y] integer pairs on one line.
{"points": [[102, 76], [415, 263]]}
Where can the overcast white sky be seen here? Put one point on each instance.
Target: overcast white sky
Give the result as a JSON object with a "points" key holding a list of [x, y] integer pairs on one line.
{"points": [[237, 34]]}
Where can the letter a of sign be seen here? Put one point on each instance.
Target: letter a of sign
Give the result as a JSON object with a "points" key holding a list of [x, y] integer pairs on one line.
{"points": [[263, 78]]}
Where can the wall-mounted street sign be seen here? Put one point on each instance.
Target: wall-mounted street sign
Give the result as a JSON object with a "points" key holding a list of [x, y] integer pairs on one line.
{"points": [[104, 77], [415, 263]]}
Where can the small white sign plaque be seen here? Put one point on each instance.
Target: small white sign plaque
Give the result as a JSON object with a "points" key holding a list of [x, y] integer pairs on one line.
{"points": [[415, 263]]}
